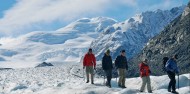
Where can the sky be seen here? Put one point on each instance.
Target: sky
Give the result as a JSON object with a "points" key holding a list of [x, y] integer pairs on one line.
{"points": [[19, 17]]}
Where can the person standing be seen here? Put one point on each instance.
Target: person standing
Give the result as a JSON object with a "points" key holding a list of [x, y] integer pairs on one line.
{"points": [[122, 66], [107, 67], [172, 69], [89, 63], [145, 75]]}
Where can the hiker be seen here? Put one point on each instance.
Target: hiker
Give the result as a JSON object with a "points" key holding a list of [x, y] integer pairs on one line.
{"points": [[165, 59], [172, 69], [122, 66], [145, 75], [89, 63], [107, 67]]}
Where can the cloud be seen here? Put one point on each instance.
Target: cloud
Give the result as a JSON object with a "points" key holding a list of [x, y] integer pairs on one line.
{"points": [[26, 14], [132, 3]]}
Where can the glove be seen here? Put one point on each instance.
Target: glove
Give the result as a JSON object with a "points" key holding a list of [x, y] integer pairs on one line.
{"points": [[177, 71], [149, 71], [83, 67], [94, 68]]}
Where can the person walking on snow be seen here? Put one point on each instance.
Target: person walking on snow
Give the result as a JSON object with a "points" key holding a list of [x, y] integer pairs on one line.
{"points": [[122, 66], [107, 67], [172, 69], [89, 62], [145, 75]]}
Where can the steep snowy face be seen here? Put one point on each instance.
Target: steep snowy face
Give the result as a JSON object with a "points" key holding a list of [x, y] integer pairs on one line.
{"points": [[89, 25], [174, 39], [67, 44], [134, 33], [73, 30]]}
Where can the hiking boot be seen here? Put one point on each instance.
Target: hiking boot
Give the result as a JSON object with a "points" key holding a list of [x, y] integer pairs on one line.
{"points": [[109, 85], [124, 87], [175, 92], [87, 81], [92, 82], [149, 91], [169, 90], [141, 91], [119, 85]]}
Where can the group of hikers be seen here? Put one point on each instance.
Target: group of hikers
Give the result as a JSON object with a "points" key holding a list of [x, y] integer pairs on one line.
{"points": [[121, 64]]}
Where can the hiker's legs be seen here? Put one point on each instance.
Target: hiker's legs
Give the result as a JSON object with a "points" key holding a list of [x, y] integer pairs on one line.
{"points": [[109, 76], [92, 73], [172, 82], [143, 83], [120, 77], [148, 84], [87, 73], [124, 75]]}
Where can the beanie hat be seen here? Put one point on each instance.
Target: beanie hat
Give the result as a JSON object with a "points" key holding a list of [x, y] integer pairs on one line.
{"points": [[90, 49], [108, 51], [122, 51]]}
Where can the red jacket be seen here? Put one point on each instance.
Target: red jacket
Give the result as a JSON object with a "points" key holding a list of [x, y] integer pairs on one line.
{"points": [[144, 70], [89, 60]]}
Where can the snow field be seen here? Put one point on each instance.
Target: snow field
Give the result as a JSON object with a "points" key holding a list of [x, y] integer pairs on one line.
{"points": [[68, 79]]}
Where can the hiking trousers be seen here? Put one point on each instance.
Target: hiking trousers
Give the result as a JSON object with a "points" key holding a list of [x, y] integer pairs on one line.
{"points": [[146, 81], [108, 75], [90, 71], [172, 83], [122, 75]]}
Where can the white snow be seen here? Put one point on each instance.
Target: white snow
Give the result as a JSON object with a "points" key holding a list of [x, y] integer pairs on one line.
{"points": [[68, 79]]}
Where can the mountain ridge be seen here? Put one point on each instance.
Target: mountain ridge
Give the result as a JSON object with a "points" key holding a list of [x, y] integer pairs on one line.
{"points": [[133, 33], [174, 39]]}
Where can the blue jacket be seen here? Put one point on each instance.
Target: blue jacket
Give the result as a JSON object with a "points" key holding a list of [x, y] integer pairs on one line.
{"points": [[171, 65], [107, 63], [121, 62]]}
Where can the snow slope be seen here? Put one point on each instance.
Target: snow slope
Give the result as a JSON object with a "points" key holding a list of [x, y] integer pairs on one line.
{"points": [[56, 47], [68, 79]]}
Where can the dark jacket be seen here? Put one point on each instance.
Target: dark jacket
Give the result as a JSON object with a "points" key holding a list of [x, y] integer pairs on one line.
{"points": [[107, 62], [121, 62], [171, 66]]}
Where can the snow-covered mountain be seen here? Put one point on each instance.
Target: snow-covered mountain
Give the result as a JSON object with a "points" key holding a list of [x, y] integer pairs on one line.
{"points": [[70, 43], [67, 44], [174, 39], [133, 33]]}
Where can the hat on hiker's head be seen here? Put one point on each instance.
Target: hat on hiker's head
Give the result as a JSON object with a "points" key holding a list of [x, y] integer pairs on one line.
{"points": [[145, 59], [176, 56], [123, 51], [108, 51], [90, 49]]}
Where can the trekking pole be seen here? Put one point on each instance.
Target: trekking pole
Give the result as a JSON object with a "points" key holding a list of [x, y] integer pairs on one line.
{"points": [[104, 78], [189, 83], [83, 75], [178, 81], [116, 75]]}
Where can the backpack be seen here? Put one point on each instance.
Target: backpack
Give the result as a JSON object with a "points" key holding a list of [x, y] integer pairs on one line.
{"points": [[164, 61]]}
